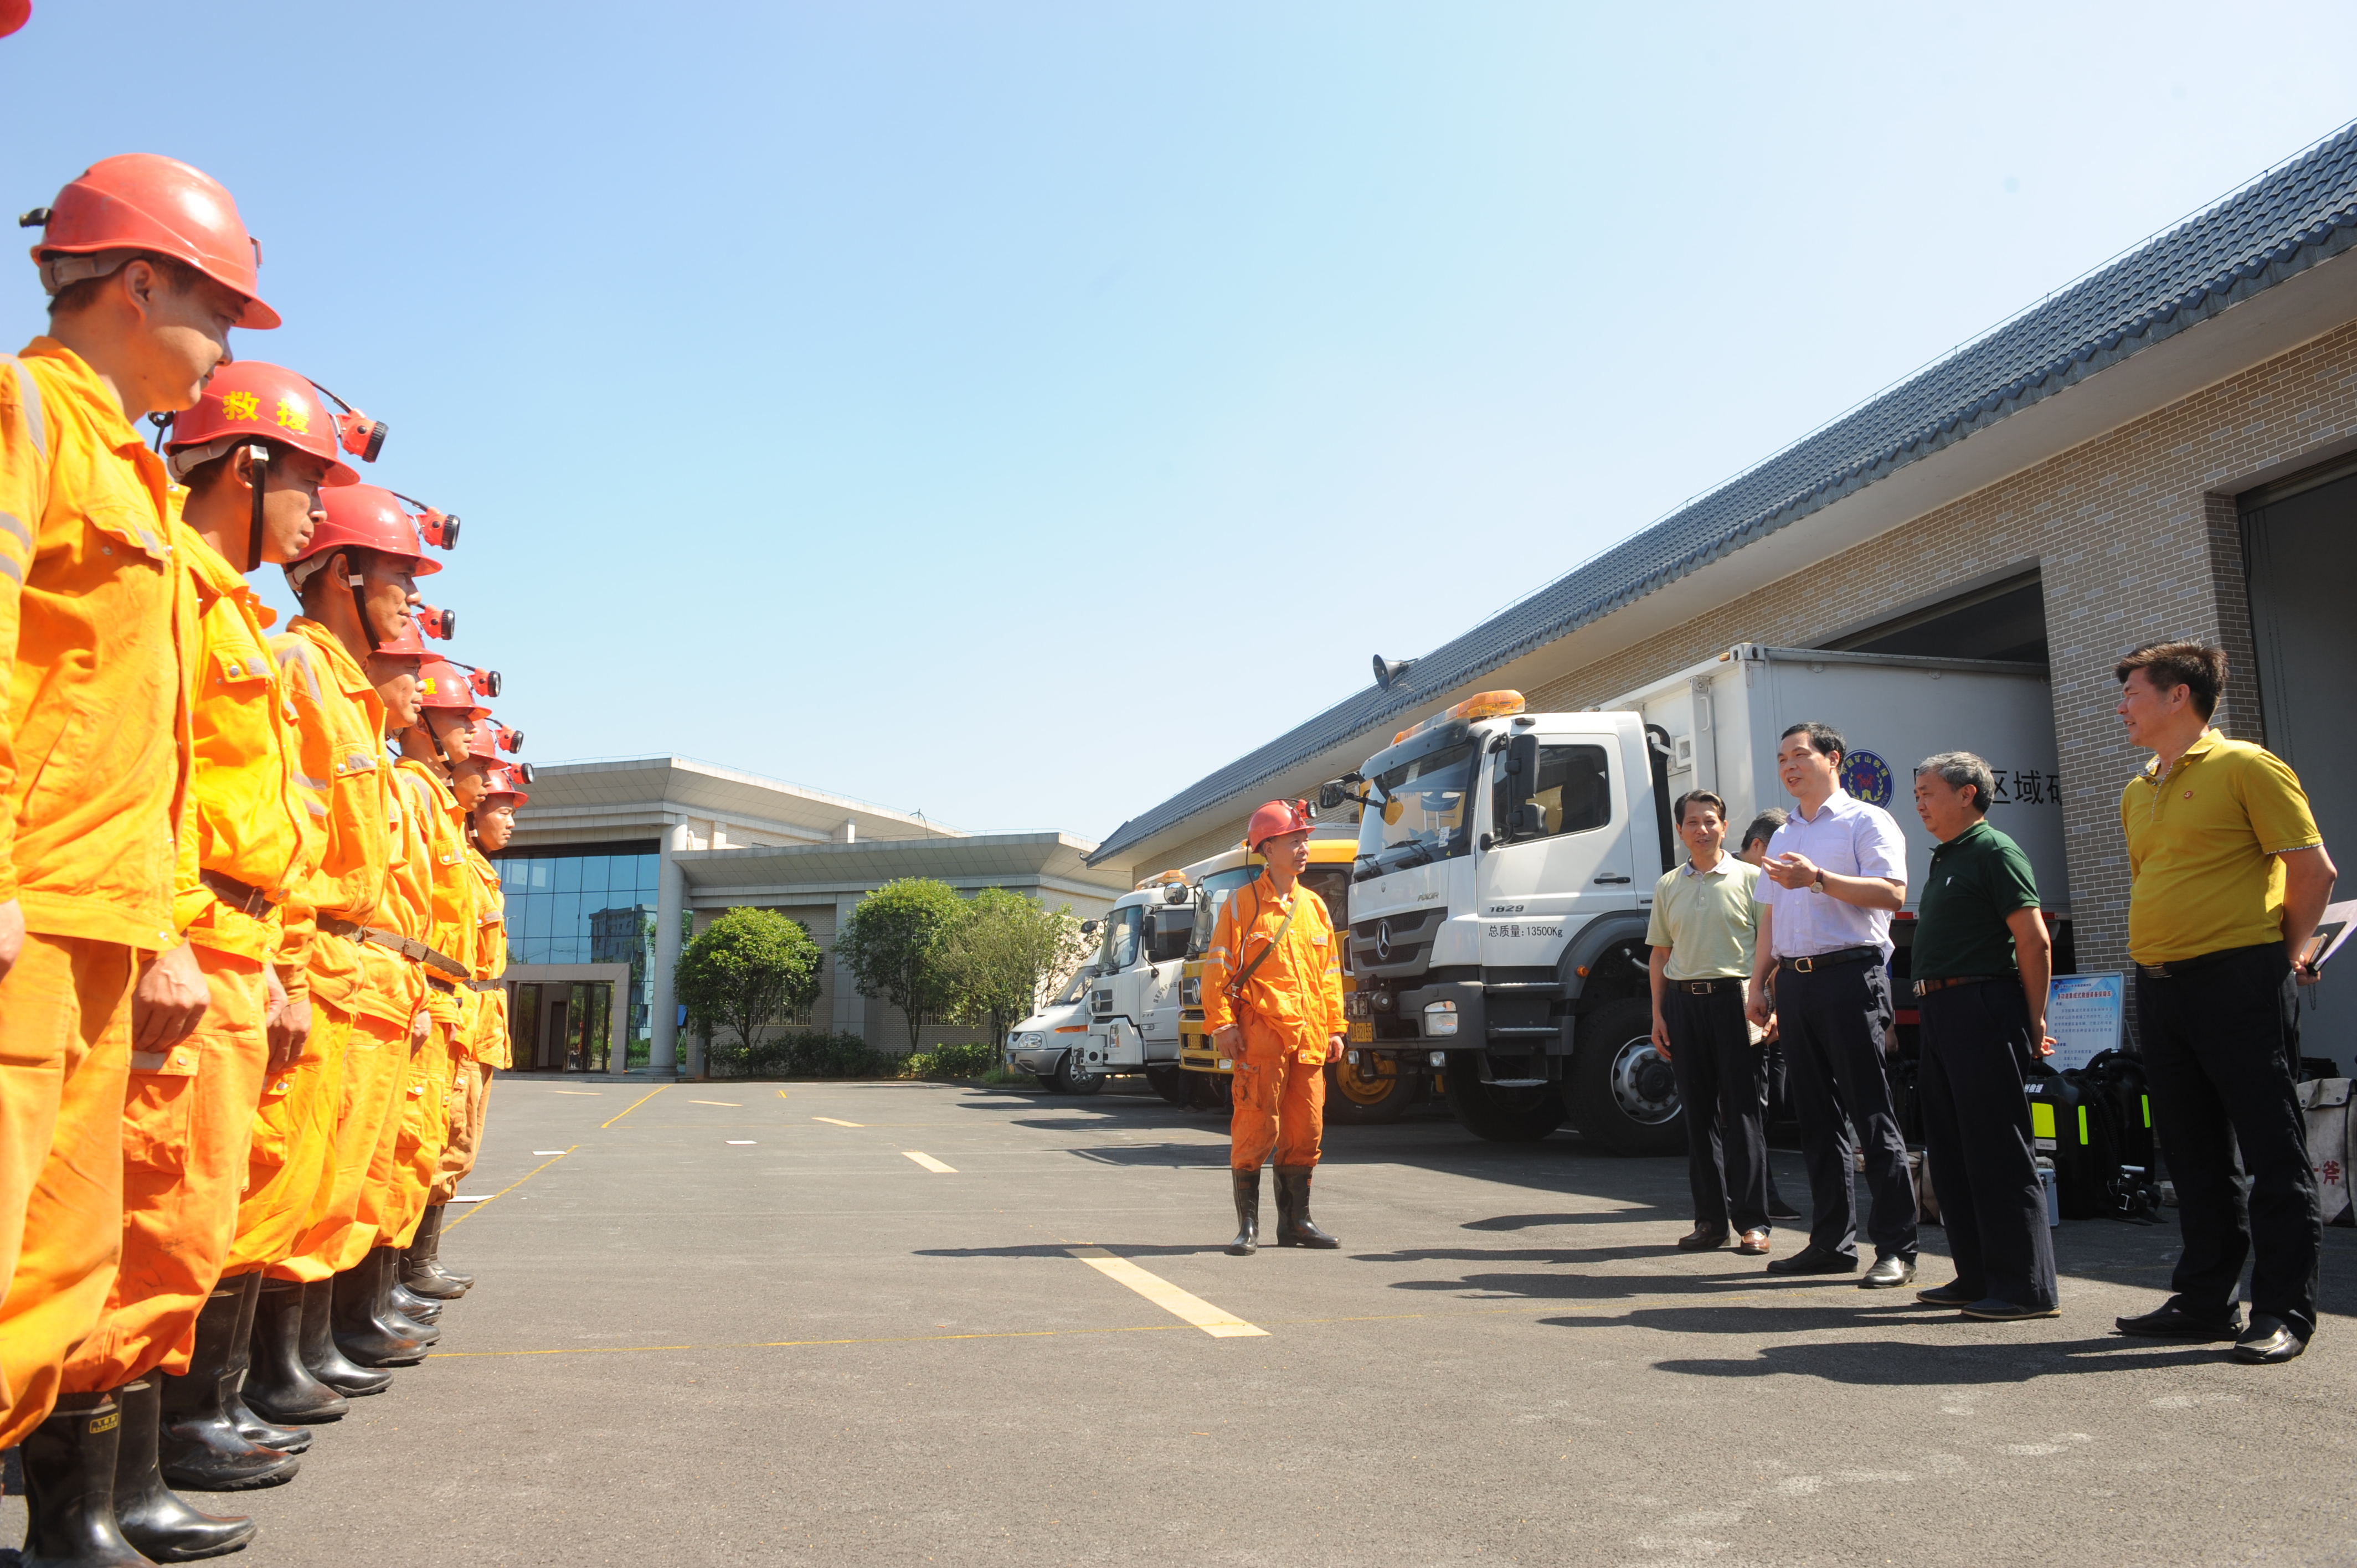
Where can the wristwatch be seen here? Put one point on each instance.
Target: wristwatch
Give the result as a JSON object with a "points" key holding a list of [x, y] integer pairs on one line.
{"points": [[1818, 885]]}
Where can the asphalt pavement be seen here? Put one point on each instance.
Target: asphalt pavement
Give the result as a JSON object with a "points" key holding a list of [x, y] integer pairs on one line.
{"points": [[881, 1323]]}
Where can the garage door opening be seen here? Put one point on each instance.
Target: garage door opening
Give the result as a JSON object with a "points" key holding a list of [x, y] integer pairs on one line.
{"points": [[2003, 620]]}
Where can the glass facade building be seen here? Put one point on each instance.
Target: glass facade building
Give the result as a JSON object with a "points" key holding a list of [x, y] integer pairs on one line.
{"points": [[589, 904]]}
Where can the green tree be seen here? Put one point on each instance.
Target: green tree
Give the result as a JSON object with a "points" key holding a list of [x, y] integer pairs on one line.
{"points": [[1003, 951], [896, 943], [750, 969]]}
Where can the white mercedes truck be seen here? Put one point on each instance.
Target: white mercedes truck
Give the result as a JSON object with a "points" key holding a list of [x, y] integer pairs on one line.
{"points": [[1133, 1001], [1507, 860]]}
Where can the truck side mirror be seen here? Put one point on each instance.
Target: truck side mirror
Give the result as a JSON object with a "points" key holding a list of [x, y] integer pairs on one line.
{"points": [[1330, 795], [1522, 781], [1529, 821], [1087, 928]]}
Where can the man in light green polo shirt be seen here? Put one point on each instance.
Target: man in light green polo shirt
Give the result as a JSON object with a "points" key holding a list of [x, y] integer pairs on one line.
{"points": [[1705, 922], [2230, 877]]}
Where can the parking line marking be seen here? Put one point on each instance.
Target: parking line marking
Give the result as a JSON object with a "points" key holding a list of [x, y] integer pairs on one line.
{"points": [[732, 1104], [584, 1093], [633, 1105], [837, 1121], [519, 1181], [736, 1142], [1177, 1303], [537, 1152], [930, 1163]]}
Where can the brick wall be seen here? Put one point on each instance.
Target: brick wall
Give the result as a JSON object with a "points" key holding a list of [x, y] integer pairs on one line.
{"points": [[2135, 536]]}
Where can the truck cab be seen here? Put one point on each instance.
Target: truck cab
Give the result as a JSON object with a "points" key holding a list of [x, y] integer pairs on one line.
{"points": [[1501, 887], [1133, 1002], [1043, 1045]]}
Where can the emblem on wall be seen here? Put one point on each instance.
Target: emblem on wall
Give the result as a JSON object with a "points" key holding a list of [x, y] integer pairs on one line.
{"points": [[1866, 777]]}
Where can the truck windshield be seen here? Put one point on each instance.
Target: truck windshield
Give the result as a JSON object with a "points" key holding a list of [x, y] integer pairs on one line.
{"points": [[1419, 812], [1331, 884], [1121, 939], [1219, 885]]}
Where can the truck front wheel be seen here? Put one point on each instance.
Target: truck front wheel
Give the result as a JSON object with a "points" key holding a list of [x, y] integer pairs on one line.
{"points": [[1501, 1115], [1623, 1095], [1354, 1097], [1068, 1079]]}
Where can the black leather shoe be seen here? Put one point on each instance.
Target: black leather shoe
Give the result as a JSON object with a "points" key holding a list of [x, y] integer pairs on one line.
{"points": [[1293, 1226], [2173, 1322], [1702, 1239], [68, 1463], [1889, 1271], [153, 1517], [1949, 1294], [1994, 1310], [2269, 1340], [1814, 1261], [321, 1358], [1247, 1193]]}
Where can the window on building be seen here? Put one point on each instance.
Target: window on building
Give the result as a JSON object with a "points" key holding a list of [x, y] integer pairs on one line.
{"points": [[587, 904]]}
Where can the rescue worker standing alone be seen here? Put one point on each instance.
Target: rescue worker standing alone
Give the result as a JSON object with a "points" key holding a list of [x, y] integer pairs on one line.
{"points": [[1273, 1001]]}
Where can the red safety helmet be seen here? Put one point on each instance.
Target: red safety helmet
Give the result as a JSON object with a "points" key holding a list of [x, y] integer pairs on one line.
{"points": [[142, 201], [507, 778], [369, 517], [487, 741], [405, 641], [14, 13], [1277, 819], [247, 400], [450, 688]]}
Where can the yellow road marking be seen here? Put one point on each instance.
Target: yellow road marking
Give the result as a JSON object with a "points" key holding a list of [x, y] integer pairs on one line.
{"points": [[732, 1104], [1177, 1303], [633, 1105], [930, 1163], [519, 1181], [838, 1122]]}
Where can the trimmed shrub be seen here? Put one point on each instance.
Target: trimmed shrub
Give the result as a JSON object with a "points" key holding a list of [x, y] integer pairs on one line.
{"points": [[952, 1061]]}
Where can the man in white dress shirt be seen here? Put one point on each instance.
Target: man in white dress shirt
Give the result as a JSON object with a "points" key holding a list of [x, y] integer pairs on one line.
{"points": [[1833, 873]]}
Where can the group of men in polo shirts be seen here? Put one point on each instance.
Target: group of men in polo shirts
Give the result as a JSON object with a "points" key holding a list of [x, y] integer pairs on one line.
{"points": [[2230, 877]]}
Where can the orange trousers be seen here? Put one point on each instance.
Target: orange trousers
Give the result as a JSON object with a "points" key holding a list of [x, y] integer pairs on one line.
{"points": [[376, 1061], [1280, 1100], [468, 1104], [424, 1129], [187, 1121], [65, 1050], [291, 1171]]}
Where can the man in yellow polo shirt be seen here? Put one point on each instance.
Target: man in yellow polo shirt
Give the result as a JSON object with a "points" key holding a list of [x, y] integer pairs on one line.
{"points": [[1704, 925], [2229, 877]]}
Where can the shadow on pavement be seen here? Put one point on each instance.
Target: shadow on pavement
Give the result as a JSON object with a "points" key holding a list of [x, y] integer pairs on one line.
{"points": [[1885, 1363]]}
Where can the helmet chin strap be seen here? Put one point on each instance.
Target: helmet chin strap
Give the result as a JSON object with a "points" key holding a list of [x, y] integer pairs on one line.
{"points": [[358, 582], [258, 474]]}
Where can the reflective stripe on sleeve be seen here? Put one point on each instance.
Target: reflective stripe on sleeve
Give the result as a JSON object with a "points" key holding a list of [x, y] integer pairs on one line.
{"points": [[30, 392]]}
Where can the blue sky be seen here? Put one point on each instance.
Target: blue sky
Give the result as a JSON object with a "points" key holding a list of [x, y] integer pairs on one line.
{"points": [[1015, 411]]}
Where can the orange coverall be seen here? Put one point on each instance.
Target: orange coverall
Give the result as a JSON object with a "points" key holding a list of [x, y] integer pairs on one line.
{"points": [[449, 930], [93, 740], [189, 1115], [1289, 1011], [487, 1032], [316, 1117]]}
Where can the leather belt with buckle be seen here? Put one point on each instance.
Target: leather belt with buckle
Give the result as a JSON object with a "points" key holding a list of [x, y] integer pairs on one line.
{"points": [[241, 896], [1925, 987], [1706, 987], [447, 987], [1809, 963], [410, 947], [2178, 966]]}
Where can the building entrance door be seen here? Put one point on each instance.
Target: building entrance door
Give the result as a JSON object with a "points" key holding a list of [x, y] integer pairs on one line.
{"points": [[562, 1026], [2301, 554]]}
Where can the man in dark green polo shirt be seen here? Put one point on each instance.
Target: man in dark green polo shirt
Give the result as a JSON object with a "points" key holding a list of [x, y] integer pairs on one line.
{"points": [[1980, 963]]}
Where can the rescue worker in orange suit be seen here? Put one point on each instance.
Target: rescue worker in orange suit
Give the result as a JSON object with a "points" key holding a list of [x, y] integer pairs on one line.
{"points": [[148, 267], [442, 782], [1272, 1001], [357, 584], [498, 791], [253, 453]]}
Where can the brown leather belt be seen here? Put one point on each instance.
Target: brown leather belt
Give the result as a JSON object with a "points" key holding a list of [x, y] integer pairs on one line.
{"points": [[1925, 987], [447, 987], [239, 896], [410, 947]]}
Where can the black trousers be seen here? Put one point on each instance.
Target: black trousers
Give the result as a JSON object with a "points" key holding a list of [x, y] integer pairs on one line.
{"points": [[1720, 1074], [1978, 1053], [1836, 1022], [2222, 1066]]}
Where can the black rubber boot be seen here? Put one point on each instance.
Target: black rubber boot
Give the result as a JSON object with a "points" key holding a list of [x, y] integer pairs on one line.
{"points": [[410, 1304], [68, 1463], [387, 1261], [278, 1386], [1247, 1186], [152, 1517], [322, 1358], [1293, 1226], [251, 1426], [202, 1448], [421, 1262], [359, 1334]]}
